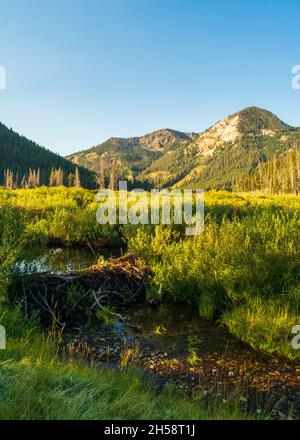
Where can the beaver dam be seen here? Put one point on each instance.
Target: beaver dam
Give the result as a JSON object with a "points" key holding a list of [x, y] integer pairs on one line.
{"points": [[107, 321]]}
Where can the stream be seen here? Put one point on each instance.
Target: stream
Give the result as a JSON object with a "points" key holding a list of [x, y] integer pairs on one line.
{"points": [[59, 260], [172, 344]]}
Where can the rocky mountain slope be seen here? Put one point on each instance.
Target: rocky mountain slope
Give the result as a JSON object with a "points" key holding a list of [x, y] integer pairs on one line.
{"points": [[225, 153], [222, 155], [133, 154]]}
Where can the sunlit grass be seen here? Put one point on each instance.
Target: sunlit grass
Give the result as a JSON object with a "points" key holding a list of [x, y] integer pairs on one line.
{"points": [[266, 325], [36, 384]]}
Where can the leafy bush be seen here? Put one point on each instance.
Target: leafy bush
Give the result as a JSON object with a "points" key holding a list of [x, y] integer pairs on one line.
{"points": [[231, 266]]}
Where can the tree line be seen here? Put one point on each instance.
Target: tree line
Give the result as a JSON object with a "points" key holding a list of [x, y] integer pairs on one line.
{"points": [[20, 155], [33, 178], [57, 178], [279, 175]]}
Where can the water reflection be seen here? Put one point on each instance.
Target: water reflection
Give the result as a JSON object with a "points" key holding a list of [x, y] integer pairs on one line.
{"points": [[62, 260]]}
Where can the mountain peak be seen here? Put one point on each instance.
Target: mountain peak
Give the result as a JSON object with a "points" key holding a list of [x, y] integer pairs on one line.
{"points": [[229, 149], [134, 153], [163, 138], [253, 119]]}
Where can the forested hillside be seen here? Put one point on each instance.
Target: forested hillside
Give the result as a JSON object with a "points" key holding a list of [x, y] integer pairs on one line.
{"points": [[231, 154], [24, 159], [133, 155], [277, 176], [230, 151]]}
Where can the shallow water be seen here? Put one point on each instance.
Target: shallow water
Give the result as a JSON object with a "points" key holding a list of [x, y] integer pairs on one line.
{"points": [[175, 344], [173, 327], [174, 331], [61, 260]]}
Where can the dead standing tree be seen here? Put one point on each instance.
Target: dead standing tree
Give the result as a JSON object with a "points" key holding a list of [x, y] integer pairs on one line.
{"points": [[56, 177], [101, 175], [77, 182], [113, 181], [8, 179]]}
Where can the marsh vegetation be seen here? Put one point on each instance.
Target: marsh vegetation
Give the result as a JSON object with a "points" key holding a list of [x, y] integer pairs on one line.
{"points": [[242, 273]]}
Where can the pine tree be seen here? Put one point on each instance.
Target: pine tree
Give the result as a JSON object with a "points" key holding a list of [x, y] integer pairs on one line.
{"points": [[52, 178], [33, 178]]}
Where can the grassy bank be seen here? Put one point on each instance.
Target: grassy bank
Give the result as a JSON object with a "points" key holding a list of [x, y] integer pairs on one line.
{"points": [[243, 271], [36, 384], [61, 215]]}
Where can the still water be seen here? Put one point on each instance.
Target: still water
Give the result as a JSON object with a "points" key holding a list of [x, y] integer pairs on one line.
{"points": [[62, 260]]}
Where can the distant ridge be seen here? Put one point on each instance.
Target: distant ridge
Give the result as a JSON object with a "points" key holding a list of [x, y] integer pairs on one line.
{"points": [[219, 157], [226, 152], [134, 154], [239, 152]]}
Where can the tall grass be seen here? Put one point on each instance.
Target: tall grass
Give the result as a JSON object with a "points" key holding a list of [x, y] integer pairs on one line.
{"points": [[264, 324], [232, 266], [61, 215]]}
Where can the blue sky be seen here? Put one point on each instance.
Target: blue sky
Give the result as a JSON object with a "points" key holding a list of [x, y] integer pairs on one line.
{"points": [[81, 71]]}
